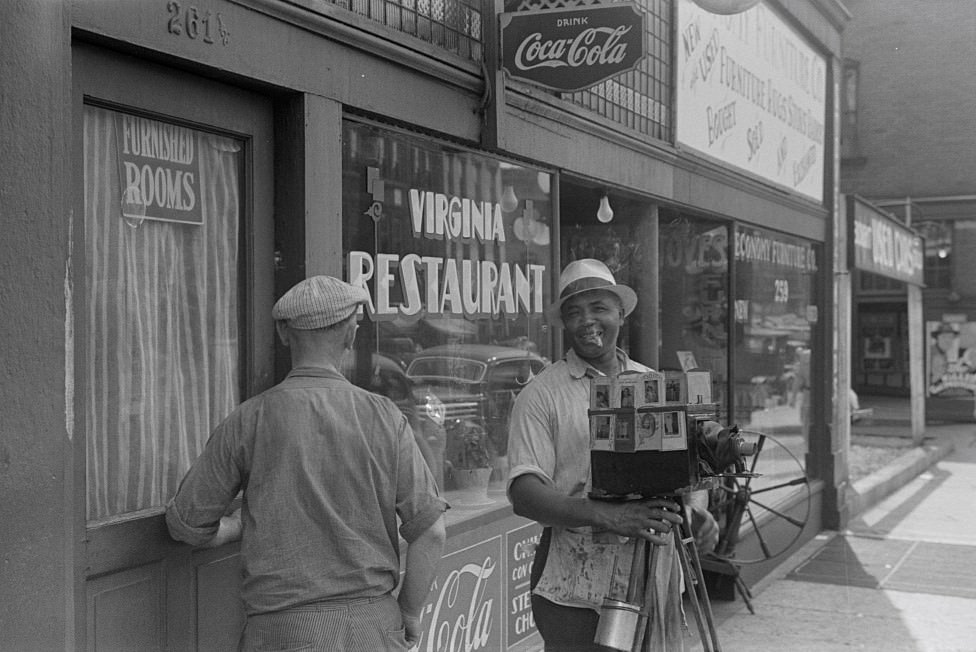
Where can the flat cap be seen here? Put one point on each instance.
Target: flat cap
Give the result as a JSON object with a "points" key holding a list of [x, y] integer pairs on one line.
{"points": [[318, 302]]}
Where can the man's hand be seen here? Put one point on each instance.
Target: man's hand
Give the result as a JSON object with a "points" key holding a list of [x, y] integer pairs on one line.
{"points": [[705, 528], [229, 530], [651, 520], [412, 626]]}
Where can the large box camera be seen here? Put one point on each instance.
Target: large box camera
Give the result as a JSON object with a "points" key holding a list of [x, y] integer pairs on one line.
{"points": [[646, 430]]}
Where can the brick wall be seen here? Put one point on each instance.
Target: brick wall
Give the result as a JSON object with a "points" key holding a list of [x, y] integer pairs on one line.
{"points": [[917, 97]]}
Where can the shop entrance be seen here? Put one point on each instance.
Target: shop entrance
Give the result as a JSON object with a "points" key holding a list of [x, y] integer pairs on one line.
{"points": [[881, 364], [173, 286]]}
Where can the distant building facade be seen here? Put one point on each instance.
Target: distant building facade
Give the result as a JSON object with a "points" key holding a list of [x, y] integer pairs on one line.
{"points": [[908, 146]]}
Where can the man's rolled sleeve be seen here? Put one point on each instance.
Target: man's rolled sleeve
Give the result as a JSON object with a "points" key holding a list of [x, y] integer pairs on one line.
{"points": [[207, 489], [423, 519], [531, 450], [180, 530], [419, 503]]}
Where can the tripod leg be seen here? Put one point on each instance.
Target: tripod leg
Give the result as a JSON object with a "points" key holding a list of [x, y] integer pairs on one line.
{"points": [[744, 592], [688, 553], [643, 640], [703, 590], [692, 592]]}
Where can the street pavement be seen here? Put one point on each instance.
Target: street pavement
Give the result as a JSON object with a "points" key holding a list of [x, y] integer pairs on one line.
{"points": [[900, 577]]}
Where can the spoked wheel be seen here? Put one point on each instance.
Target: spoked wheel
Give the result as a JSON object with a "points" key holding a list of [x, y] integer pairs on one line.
{"points": [[746, 499]]}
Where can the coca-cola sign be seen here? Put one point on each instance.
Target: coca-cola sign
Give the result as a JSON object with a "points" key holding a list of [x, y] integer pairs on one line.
{"points": [[572, 49]]}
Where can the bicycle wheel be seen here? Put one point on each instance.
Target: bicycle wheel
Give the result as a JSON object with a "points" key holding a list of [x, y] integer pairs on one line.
{"points": [[742, 501]]}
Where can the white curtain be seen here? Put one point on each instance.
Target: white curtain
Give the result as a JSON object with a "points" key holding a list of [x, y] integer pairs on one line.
{"points": [[161, 332]]}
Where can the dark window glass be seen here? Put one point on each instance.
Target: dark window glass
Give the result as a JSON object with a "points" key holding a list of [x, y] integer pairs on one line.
{"points": [[938, 252], [694, 268]]}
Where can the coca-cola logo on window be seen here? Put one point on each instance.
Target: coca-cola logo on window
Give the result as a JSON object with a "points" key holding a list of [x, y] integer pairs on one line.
{"points": [[572, 49]]}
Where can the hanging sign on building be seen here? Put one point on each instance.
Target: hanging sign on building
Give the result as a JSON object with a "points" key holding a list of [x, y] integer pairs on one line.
{"points": [[751, 93], [880, 245], [572, 49]]}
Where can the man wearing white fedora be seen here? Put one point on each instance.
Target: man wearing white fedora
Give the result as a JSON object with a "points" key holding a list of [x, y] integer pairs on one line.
{"points": [[550, 468]]}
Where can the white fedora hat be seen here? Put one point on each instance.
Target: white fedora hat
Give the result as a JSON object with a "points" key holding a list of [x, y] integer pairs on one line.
{"points": [[584, 275]]}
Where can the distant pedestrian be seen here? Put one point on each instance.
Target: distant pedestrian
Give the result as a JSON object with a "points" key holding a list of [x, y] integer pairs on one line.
{"points": [[327, 472]]}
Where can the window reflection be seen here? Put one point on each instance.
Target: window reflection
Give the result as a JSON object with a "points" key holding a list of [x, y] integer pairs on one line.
{"points": [[694, 264], [454, 249], [775, 314]]}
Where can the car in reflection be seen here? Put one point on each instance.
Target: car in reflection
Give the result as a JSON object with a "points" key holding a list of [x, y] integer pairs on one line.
{"points": [[384, 375], [474, 382]]}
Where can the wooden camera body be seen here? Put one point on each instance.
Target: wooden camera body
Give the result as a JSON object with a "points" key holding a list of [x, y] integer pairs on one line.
{"points": [[645, 433]]}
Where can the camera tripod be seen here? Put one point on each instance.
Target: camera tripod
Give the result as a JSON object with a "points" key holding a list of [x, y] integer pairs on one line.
{"points": [[618, 633]]}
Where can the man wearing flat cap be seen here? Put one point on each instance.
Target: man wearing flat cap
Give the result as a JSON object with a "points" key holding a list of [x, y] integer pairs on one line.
{"points": [[331, 478], [549, 458]]}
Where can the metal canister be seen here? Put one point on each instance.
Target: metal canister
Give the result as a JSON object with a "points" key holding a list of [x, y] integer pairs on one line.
{"points": [[617, 627]]}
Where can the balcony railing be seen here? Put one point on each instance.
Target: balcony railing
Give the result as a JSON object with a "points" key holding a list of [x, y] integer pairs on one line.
{"points": [[454, 25], [641, 100]]}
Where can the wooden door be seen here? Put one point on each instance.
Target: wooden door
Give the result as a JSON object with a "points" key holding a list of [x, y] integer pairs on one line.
{"points": [[173, 286]]}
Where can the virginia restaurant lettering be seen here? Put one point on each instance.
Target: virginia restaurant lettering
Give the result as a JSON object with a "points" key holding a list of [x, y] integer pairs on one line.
{"points": [[435, 285]]}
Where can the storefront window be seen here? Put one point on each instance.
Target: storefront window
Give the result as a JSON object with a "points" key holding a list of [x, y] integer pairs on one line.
{"points": [[162, 210], [775, 314], [454, 249], [620, 232], [694, 268]]}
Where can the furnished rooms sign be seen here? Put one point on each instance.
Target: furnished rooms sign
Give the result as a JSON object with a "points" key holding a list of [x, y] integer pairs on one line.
{"points": [[158, 168], [572, 49]]}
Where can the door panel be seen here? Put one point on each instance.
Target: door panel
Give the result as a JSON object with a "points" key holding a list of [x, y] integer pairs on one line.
{"points": [[174, 285], [125, 610], [217, 607]]}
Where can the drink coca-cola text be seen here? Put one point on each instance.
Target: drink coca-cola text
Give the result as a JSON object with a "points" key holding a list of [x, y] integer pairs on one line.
{"points": [[591, 47]]}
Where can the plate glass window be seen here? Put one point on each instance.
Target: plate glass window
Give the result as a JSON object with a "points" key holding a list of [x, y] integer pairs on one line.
{"points": [[775, 317], [454, 249]]}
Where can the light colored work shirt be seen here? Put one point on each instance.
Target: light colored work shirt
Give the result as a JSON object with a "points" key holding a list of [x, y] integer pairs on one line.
{"points": [[327, 469]]}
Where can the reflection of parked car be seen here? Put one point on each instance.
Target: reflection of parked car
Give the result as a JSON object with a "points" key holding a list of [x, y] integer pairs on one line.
{"points": [[385, 376], [475, 381]]}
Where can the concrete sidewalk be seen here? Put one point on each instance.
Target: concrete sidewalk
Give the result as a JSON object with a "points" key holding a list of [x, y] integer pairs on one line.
{"points": [[901, 577]]}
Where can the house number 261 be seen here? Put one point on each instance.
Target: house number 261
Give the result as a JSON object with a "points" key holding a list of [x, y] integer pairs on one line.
{"points": [[195, 24]]}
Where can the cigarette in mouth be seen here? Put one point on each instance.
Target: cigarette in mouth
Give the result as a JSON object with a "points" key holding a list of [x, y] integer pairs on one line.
{"points": [[594, 336]]}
